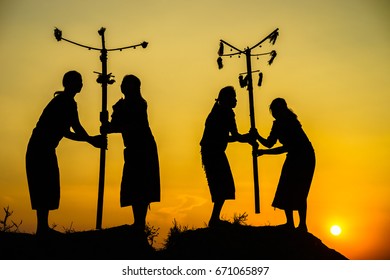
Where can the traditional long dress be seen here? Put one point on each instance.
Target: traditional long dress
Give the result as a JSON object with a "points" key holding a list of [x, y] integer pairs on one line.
{"points": [[298, 168], [220, 123], [141, 175], [41, 161]]}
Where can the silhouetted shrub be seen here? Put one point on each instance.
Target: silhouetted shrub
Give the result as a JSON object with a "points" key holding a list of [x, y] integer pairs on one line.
{"points": [[151, 233], [5, 226]]}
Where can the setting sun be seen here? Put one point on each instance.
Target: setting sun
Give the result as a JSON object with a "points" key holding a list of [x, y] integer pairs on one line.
{"points": [[335, 230]]}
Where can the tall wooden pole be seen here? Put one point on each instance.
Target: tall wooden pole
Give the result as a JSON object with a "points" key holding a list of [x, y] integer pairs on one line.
{"points": [[103, 120], [253, 127]]}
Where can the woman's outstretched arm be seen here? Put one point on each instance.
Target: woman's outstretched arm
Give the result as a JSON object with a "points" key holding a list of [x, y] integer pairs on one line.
{"points": [[80, 134], [273, 151]]}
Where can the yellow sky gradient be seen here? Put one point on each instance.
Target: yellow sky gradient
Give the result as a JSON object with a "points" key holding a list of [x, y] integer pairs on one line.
{"points": [[332, 68]]}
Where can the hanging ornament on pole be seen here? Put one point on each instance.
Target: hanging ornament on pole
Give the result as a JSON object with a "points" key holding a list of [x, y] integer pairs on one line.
{"points": [[104, 79], [248, 83], [260, 81]]}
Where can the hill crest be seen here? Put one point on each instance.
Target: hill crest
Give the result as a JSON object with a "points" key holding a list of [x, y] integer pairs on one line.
{"points": [[231, 241]]}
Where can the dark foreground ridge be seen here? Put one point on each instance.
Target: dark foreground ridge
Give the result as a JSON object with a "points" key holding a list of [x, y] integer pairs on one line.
{"points": [[233, 242]]}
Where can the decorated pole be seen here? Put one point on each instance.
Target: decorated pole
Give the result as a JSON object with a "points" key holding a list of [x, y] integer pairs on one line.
{"points": [[248, 83], [253, 127], [104, 79]]}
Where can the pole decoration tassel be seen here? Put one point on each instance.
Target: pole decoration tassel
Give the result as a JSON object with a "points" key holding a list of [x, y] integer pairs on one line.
{"points": [[220, 50], [273, 37], [243, 81], [101, 31], [219, 61], [273, 55], [58, 34], [260, 79], [144, 44]]}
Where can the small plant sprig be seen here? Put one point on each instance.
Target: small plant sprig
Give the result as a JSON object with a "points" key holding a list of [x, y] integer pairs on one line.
{"points": [[69, 229], [240, 219], [5, 226], [151, 233], [174, 233]]}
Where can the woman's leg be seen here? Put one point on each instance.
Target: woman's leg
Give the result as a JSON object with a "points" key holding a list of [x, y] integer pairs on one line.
{"points": [[42, 221], [139, 211], [289, 218], [302, 217], [216, 211]]}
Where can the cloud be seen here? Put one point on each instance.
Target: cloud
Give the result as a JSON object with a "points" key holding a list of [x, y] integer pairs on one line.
{"points": [[182, 208]]}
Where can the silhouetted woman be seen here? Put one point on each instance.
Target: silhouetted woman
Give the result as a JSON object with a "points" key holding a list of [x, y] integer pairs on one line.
{"points": [[220, 128], [141, 176], [56, 122], [298, 168]]}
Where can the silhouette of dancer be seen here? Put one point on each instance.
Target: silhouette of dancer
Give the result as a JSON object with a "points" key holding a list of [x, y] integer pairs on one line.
{"points": [[220, 128], [55, 122], [141, 176], [298, 168]]}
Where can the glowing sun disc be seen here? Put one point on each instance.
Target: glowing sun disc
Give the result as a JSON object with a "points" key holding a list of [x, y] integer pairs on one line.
{"points": [[335, 230]]}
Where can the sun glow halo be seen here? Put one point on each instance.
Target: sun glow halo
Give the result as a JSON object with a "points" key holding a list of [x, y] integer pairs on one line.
{"points": [[335, 230]]}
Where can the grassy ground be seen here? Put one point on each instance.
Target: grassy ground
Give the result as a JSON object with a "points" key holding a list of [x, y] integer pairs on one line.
{"points": [[231, 241]]}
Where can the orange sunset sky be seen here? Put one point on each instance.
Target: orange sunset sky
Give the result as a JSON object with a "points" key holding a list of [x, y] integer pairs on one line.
{"points": [[332, 68]]}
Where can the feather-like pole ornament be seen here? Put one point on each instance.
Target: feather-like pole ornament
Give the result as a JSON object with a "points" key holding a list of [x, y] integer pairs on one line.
{"points": [[219, 61], [273, 55]]}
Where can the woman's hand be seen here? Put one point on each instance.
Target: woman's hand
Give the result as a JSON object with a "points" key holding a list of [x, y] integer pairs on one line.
{"points": [[98, 141], [274, 151], [104, 128], [254, 133], [259, 152]]}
